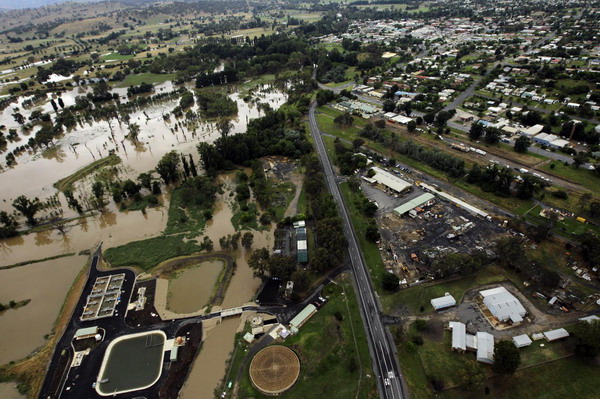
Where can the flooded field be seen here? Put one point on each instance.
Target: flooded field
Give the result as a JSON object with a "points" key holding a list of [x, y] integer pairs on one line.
{"points": [[191, 288], [8, 390], [209, 367], [111, 228], [46, 284], [35, 172]]}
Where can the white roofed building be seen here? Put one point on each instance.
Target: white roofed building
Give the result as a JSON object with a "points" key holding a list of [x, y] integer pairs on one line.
{"points": [[390, 181], [521, 341], [443, 302], [459, 336], [485, 347], [503, 305]]}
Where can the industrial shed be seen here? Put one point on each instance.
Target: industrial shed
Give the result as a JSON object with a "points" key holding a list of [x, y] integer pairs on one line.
{"points": [[503, 305], [485, 347], [555, 335], [459, 336], [443, 302], [391, 181], [302, 317], [412, 204]]}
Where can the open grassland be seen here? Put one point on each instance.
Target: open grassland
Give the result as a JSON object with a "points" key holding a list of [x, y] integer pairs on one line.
{"points": [[148, 253], [419, 297], [333, 351], [147, 77], [360, 222]]}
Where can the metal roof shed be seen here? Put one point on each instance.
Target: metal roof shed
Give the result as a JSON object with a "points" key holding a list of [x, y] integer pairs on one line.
{"points": [[303, 316], [485, 347], [521, 341], [87, 332], [554, 335], [412, 204], [389, 180], [443, 302], [459, 338], [590, 319]]}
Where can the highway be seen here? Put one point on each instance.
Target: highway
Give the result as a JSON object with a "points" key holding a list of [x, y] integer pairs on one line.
{"points": [[389, 379]]}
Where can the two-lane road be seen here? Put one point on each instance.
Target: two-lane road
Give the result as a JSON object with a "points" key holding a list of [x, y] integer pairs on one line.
{"points": [[389, 379]]}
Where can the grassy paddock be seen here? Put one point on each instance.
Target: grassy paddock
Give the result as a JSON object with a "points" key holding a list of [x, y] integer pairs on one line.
{"points": [[421, 295], [147, 77], [148, 253], [369, 249]]}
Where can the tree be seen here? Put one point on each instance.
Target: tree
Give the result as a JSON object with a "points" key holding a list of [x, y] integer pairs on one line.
{"points": [[522, 144], [224, 126], [506, 358], [27, 207], [301, 280], [411, 126], [429, 117], [259, 262], [587, 339], [247, 240], [134, 131], [455, 263], [9, 225], [372, 233], [492, 135], [471, 376], [476, 131], [344, 119], [168, 167], [390, 281], [145, 180], [98, 189], [580, 159], [389, 106]]}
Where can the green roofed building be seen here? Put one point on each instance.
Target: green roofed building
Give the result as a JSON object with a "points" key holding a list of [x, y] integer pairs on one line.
{"points": [[412, 204]]}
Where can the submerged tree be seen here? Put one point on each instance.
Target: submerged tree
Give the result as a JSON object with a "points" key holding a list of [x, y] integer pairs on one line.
{"points": [[27, 207]]}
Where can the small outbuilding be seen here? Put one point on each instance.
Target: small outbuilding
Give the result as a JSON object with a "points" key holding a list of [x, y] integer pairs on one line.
{"points": [[555, 335], [590, 319], [521, 341], [443, 302]]}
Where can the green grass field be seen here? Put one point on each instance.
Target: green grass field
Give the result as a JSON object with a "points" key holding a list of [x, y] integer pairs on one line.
{"points": [[146, 254], [332, 365], [147, 77], [369, 249], [420, 296], [585, 177], [183, 220], [115, 57]]}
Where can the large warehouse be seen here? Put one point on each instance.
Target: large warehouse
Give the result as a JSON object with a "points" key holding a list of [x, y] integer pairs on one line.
{"points": [[390, 181], [503, 305], [412, 204]]}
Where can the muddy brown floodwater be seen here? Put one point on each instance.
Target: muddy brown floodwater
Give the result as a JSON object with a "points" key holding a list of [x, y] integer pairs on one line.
{"points": [[8, 390], [191, 288], [46, 284], [209, 367]]}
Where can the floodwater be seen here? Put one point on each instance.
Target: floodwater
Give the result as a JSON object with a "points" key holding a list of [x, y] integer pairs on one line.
{"points": [[209, 367], [46, 284], [191, 288], [110, 228], [35, 173], [8, 390]]}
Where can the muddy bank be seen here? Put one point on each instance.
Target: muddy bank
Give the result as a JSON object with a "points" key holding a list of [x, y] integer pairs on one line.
{"points": [[46, 284]]}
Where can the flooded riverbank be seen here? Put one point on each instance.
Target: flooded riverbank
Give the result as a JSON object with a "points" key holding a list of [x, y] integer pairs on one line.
{"points": [[191, 288], [46, 284], [8, 390]]}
